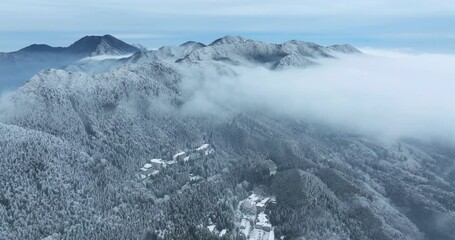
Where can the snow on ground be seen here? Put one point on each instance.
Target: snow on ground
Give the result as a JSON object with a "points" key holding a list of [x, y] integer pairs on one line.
{"points": [[211, 227], [176, 156]]}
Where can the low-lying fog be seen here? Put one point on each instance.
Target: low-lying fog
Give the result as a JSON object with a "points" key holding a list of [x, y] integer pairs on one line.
{"points": [[387, 94], [382, 93]]}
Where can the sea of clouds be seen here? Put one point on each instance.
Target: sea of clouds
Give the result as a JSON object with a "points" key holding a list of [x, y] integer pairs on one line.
{"points": [[389, 94]]}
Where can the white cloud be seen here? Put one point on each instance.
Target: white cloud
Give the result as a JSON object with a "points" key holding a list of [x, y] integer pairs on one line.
{"points": [[387, 94], [104, 57]]}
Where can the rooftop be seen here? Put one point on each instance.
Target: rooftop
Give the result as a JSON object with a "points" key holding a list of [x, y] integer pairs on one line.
{"points": [[203, 147], [156, 160]]}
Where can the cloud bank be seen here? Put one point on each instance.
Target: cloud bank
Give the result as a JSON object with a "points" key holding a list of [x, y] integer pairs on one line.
{"points": [[386, 94]]}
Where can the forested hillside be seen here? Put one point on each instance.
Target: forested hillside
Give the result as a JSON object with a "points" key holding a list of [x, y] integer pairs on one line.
{"points": [[72, 145]]}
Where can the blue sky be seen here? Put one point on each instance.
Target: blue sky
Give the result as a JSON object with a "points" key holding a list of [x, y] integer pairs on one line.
{"points": [[418, 25]]}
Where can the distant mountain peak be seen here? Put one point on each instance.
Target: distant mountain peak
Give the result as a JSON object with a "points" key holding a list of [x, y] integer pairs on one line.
{"points": [[344, 48], [192, 43], [228, 39], [86, 46], [99, 45], [38, 48]]}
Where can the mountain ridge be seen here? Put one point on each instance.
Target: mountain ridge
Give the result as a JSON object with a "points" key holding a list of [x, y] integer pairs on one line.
{"points": [[21, 65], [73, 144], [85, 45], [233, 50], [239, 50]]}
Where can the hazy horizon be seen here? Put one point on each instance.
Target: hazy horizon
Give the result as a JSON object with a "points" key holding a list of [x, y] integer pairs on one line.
{"points": [[421, 26]]}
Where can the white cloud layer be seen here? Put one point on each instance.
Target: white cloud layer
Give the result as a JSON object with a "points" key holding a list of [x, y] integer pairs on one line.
{"points": [[387, 94]]}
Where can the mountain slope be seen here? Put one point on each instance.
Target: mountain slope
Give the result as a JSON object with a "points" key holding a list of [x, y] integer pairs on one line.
{"points": [[100, 45], [240, 51], [73, 144]]}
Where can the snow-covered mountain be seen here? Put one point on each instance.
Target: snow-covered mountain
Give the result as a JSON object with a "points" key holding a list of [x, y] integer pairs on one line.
{"points": [[18, 66], [73, 144], [100, 45], [240, 51], [231, 50]]}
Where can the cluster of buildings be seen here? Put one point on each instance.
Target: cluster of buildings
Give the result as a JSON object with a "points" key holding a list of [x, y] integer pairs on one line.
{"points": [[154, 166], [253, 212], [255, 224]]}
